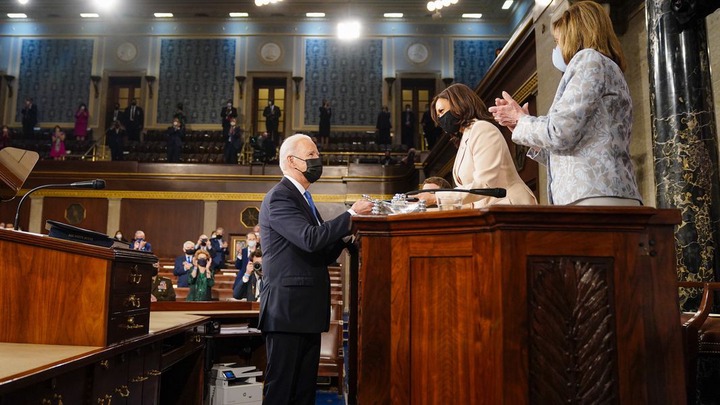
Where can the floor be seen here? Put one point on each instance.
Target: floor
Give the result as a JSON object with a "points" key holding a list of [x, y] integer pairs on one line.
{"points": [[329, 398]]}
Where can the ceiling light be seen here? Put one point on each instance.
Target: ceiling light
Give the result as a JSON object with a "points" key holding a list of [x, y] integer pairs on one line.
{"points": [[236, 15], [507, 4], [431, 6], [23, 1], [89, 15], [163, 15], [315, 15], [17, 15], [260, 3], [472, 15], [393, 15], [348, 30]]}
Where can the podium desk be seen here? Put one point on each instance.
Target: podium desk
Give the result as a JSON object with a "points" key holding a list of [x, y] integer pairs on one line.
{"points": [[517, 305]]}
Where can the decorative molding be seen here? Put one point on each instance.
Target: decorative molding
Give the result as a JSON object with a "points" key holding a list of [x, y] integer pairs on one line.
{"points": [[572, 343], [527, 89]]}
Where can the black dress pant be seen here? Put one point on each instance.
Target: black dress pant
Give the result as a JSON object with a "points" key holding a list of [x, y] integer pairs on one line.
{"points": [[292, 368]]}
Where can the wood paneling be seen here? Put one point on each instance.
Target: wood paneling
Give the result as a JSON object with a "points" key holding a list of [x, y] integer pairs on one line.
{"points": [[228, 217], [95, 211], [166, 223]]}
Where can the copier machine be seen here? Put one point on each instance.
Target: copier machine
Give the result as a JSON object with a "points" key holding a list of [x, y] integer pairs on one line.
{"points": [[230, 385]]}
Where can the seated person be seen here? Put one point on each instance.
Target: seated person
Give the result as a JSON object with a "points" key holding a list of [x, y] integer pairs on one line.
{"points": [[432, 183], [183, 264], [263, 148], [201, 278], [162, 289], [387, 160], [251, 285]]}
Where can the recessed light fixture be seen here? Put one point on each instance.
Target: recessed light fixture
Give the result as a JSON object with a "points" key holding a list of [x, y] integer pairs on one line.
{"points": [[17, 15], [507, 4], [472, 15], [238, 15], [348, 30], [163, 15], [315, 15], [89, 15], [393, 15], [23, 1]]}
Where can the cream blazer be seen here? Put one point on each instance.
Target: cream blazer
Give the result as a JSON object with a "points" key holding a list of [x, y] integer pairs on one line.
{"points": [[483, 160]]}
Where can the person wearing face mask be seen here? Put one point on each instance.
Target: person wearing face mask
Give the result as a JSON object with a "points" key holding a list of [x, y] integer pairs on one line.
{"points": [[219, 249], [383, 127], [114, 137], [243, 256], [298, 245], [174, 135], [272, 120], [483, 159], [233, 143], [408, 127], [184, 264], [250, 285], [201, 278], [584, 140], [81, 122], [134, 120], [227, 114]]}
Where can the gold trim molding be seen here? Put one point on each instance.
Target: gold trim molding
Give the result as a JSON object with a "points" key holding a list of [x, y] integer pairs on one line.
{"points": [[528, 88]]}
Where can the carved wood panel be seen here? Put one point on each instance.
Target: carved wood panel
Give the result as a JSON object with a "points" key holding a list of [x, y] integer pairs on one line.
{"points": [[572, 339]]}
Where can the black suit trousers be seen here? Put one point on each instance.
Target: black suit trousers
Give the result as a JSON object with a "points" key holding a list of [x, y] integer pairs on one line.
{"points": [[292, 368]]}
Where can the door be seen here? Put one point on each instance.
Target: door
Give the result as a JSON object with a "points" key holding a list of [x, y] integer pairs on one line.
{"points": [[418, 93], [266, 89], [121, 90]]}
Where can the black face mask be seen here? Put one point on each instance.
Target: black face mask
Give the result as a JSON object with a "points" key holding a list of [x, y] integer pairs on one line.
{"points": [[449, 123], [202, 262], [314, 169], [190, 252], [219, 237]]}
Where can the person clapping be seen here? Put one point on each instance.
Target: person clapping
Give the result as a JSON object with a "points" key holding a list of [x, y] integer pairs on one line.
{"points": [[201, 278]]}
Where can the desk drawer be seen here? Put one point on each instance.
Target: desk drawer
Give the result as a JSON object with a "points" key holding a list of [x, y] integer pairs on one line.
{"points": [[126, 326], [128, 302], [131, 277]]}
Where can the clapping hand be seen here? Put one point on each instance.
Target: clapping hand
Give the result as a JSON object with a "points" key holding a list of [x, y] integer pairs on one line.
{"points": [[507, 112]]}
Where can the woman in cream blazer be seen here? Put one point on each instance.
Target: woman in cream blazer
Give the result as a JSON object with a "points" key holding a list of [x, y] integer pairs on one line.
{"points": [[483, 159]]}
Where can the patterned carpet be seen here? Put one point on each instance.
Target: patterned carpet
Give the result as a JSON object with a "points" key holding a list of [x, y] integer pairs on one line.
{"points": [[329, 398]]}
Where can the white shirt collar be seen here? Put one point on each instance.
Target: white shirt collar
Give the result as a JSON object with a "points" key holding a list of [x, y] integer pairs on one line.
{"points": [[297, 184]]}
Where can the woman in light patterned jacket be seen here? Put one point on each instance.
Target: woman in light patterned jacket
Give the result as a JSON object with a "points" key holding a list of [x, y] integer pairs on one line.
{"points": [[584, 139]]}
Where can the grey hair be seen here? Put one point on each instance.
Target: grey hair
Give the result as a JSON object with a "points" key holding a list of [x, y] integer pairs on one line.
{"points": [[288, 148]]}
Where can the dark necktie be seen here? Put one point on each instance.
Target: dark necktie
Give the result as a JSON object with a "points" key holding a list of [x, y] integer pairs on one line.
{"points": [[312, 204]]}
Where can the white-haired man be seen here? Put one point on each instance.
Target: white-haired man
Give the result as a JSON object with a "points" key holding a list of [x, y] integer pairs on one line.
{"points": [[297, 248]]}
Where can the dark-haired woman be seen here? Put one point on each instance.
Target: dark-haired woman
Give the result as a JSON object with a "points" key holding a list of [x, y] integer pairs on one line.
{"points": [[81, 122], [483, 159]]}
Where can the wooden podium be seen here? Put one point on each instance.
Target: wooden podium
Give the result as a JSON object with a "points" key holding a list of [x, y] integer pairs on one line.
{"points": [[517, 305]]}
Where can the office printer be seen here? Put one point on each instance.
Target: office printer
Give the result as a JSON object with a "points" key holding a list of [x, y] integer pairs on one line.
{"points": [[231, 384]]}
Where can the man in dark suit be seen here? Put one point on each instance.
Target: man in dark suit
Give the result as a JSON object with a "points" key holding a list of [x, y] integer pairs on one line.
{"points": [[134, 120], [408, 127], [233, 143], [227, 114], [219, 249], [272, 120], [183, 264], [295, 299], [29, 118], [250, 277]]}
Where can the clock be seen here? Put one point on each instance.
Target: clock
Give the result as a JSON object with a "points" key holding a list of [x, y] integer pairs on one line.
{"points": [[417, 53], [270, 52], [126, 52], [249, 217]]}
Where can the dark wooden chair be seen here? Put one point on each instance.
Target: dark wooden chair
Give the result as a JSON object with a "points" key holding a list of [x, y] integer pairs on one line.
{"points": [[332, 363], [701, 334]]}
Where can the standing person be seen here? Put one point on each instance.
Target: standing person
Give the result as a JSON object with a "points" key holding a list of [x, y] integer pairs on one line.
{"points": [[227, 114], [134, 120], [29, 118], [430, 130], [115, 137], [184, 263], [483, 159], [180, 115], [116, 114], [82, 116], [201, 278], [295, 299], [175, 135], [383, 127], [233, 143], [324, 130], [139, 242], [408, 127], [243, 256], [272, 120], [219, 249], [584, 140], [57, 148], [4, 137], [250, 284]]}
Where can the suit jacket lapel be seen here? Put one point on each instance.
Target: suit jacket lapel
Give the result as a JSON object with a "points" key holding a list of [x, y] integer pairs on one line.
{"points": [[300, 200]]}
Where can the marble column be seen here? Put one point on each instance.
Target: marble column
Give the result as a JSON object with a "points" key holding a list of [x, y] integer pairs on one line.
{"points": [[684, 136]]}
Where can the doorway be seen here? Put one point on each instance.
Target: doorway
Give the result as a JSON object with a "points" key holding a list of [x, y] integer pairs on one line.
{"points": [[266, 89], [121, 90], [417, 93]]}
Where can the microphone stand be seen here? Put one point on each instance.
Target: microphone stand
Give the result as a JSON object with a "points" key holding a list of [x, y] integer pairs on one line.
{"points": [[95, 184]]}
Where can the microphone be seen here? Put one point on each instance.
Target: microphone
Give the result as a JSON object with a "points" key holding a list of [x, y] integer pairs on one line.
{"points": [[94, 184], [492, 192]]}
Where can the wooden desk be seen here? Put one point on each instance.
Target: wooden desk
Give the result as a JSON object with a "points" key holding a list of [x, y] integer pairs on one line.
{"points": [[518, 305]]}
